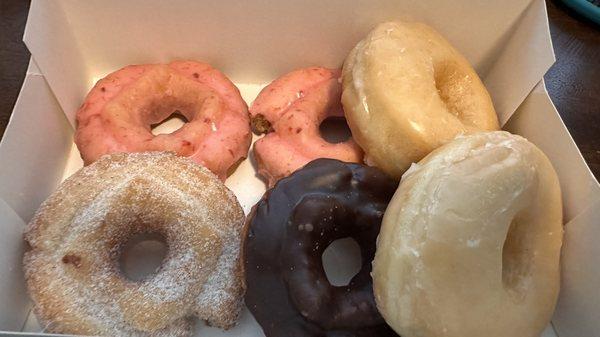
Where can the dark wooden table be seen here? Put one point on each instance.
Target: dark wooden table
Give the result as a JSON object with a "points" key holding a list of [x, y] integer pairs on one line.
{"points": [[573, 82]]}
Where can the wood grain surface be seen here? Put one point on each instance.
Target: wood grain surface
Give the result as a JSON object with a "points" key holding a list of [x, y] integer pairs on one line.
{"points": [[573, 82]]}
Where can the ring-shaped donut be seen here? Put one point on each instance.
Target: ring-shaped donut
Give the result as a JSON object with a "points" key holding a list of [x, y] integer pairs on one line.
{"points": [[117, 115], [407, 91], [287, 233], [77, 235], [290, 110], [470, 243]]}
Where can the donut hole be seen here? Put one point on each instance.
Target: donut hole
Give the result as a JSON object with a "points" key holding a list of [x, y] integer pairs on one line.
{"points": [[516, 258], [451, 89], [170, 124], [342, 260], [335, 130], [142, 256]]}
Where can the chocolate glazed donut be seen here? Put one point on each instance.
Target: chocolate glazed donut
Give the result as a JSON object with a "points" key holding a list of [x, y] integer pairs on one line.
{"points": [[287, 233]]}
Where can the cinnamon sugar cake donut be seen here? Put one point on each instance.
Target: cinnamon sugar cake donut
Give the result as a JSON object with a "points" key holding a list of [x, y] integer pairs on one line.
{"points": [[78, 233]]}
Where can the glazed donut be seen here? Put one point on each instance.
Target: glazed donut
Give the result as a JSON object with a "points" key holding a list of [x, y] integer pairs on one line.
{"points": [[292, 107], [470, 243], [408, 91], [288, 231], [77, 235], [118, 113]]}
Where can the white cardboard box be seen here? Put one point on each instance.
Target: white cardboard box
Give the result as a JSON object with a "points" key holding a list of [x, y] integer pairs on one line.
{"points": [[73, 43]]}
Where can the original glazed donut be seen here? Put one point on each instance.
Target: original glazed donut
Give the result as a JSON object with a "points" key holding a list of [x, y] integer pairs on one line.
{"points": [[292, 107], [408, 91], [287, 289], [470, 243], [77, 235], [118, 113]]}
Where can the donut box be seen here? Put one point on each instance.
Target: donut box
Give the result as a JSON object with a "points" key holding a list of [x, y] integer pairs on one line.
{"points": [[75, 43]]}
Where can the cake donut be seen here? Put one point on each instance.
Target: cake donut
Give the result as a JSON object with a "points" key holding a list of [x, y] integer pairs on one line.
{"points": [[287, 232], [406, 91], [290, 110], [77, 235], [470, 243], [117, 115]]}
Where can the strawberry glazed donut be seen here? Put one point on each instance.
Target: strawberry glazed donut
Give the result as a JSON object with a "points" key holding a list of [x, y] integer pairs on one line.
{"points": [[290, 110], [117, 115]]}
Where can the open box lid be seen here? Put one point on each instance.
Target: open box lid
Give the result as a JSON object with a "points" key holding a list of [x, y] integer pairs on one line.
{"points": [[75, 42]]}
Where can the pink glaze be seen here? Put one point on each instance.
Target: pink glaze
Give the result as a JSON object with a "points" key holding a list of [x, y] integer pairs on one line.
{"points": [[117, 114], [295, 105]]}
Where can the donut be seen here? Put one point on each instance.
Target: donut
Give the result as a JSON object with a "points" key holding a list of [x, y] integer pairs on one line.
{"points": [[78, 233], [470, 243], [406, 91], [287, 289], [290, 110], [118, 112]]}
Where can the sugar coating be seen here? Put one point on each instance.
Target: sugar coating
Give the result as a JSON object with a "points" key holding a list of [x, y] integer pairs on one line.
{"points": [[78, 233]]}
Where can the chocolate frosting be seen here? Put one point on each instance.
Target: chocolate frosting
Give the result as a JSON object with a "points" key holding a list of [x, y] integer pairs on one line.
{"points": [[288, 230]]}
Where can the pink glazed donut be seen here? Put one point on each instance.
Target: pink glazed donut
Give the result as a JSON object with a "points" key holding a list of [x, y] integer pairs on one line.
{"points": [[290, 110], [118, 113]]}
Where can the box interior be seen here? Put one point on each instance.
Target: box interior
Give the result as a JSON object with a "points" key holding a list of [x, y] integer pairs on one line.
{"points": [[74, 43]]}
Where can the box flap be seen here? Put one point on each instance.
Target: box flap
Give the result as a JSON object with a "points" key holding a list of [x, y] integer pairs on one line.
{"points": [[537, 120], [15, 302], [34, 148], [578, 313], [530, 34], [33, 68], [50, 40]]}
